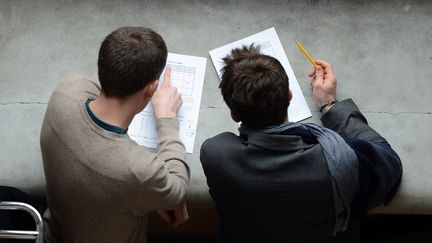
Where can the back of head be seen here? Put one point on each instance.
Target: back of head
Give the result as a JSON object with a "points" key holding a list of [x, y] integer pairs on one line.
{"points": [[129, 59], [255, 87]]}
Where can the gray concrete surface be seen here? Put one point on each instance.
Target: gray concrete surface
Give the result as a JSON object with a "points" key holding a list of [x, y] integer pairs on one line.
{"points": [[381, 51]]}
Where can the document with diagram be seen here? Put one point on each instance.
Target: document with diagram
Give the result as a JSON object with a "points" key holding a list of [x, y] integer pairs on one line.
{"points": [[270, 44], [187, 74]]}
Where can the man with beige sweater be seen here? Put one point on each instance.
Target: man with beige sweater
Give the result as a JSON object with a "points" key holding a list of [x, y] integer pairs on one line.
{"points": [[100, 184]]}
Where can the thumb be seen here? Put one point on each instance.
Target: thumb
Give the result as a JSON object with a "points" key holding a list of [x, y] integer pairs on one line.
{"points": [[165, 216], [167, 77], [185, 212], [319, 74]]}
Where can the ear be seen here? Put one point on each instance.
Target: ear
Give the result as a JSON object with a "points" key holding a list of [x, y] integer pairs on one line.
{"points": [[290, 95], [234, 117], [151, 88]]}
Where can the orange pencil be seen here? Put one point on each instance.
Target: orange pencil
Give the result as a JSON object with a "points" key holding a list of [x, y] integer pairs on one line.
{"points": [[299, 45]]}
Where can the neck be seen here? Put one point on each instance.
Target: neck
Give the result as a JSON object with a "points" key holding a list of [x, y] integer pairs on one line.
{"points": [[115, 111]]}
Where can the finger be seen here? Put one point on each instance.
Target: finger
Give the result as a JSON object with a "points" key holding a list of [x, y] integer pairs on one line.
{"points": [[312, 82], [319, 74], [165, 216], [179, 217], [322, 63], [185, 212], [178, 100], [328, 68], [178, 95], [330, 76], [174, 94], [181, 102], [167, 77], [311, 72], [176, 90], [329, 72]]}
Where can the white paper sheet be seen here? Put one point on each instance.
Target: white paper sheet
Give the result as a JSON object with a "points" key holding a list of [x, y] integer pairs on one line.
{"points": [[270, 45], [187, 74]]}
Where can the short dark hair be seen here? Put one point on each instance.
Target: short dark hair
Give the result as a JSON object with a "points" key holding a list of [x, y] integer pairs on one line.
{"points": [[129, 59], [255, 87]]}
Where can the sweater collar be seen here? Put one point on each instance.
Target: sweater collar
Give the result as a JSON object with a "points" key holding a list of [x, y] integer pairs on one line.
{"points": [[102, 124]]}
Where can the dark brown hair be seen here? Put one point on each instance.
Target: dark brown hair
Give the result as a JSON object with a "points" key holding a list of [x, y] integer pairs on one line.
{"points": [[129, 59], [255, 87]]}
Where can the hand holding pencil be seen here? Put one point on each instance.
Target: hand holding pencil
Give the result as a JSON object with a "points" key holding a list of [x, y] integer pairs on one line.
{"points": [[323, 84]]}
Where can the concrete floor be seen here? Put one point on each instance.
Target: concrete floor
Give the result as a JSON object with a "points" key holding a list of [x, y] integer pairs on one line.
{"points": [[381, 51]]}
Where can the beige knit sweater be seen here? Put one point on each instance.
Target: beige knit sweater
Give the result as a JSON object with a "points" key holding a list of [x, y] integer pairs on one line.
{"points": [[101, 185]]}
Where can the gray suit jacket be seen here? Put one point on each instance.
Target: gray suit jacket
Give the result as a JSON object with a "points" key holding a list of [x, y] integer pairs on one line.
{"points": [[276, 188]]}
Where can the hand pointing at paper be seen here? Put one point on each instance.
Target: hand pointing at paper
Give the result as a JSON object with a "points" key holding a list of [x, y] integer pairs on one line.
{"points": [[166, 100]]}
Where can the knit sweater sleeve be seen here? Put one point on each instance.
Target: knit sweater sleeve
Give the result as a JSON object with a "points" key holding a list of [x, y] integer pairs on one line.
{"points": [[162, 183]]}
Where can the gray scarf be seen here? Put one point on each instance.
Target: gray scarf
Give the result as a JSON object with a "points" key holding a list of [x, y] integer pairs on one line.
{"points": [[342, 163]]}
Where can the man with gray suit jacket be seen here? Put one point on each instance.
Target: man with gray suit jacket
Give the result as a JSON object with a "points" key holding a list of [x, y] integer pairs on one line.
{"points": [[291, 182]]}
